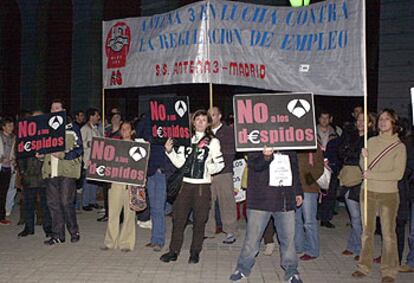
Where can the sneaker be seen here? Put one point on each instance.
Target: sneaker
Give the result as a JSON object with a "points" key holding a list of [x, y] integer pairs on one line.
{"points": [[145, 224], [269, 249], [307, 257], [53, 241], [237, 276], [102, 219], [327, 224], [8, 213], [406, 268], [96, 206], [87, 208], [295, 279], [5, 222], [230, 239]]}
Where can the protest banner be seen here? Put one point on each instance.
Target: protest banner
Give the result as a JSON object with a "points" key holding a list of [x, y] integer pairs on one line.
{"points": [[279, 120], [118, 161], [170, 118], [41, 134], [318, 48]]}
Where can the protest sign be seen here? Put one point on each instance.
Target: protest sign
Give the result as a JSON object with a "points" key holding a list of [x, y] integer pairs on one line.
{"points": [[279, 120], [170, 118], [41, 134], [318, 48], [118, 161], [239, 166]]}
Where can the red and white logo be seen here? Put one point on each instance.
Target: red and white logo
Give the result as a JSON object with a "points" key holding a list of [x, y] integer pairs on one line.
{"points": [[117, 45]]}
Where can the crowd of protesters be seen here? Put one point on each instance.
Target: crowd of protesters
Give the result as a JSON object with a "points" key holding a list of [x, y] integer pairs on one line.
{"points": [[294, 206]]}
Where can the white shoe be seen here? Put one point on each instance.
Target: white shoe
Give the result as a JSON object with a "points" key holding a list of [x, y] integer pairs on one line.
{"points": [[145, 224], [8, 213], [269, 249]]}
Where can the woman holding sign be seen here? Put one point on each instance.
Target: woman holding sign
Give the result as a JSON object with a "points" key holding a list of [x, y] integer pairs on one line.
{"points": [[118, 198], [198, 162]]}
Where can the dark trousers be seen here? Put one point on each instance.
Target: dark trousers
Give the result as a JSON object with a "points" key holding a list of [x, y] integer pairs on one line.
{"points": [[196, 198], [327, 206], [60, 192], [5, 175], [400, 230], [30, 198]]}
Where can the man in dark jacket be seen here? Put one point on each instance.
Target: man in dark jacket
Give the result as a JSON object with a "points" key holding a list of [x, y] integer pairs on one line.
{"points": [[222, 187], [33, 185], [274, 190], [156, 186]]}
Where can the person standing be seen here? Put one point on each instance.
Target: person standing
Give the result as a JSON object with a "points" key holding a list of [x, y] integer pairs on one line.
{"points": [[156, 186], [203, 160], [89, 131], [222, 187], [7, 163], [274, 190], [311, 168], [33, 185], [387, 160], [60, 171], [328, 140], [118, 198]]}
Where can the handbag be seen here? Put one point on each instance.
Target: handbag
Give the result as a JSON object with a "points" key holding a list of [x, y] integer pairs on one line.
{"points": [[137, 198], [325, 179], [350, 175]]}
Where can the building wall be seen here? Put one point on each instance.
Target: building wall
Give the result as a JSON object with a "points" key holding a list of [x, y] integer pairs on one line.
{"points": [[396, 55]]}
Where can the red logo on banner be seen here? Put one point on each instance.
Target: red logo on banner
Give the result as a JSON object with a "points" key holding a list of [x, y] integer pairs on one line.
{"points": [[117, 45], [116, 78]]}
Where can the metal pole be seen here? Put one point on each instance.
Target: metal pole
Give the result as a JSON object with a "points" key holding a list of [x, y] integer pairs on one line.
{"points": [[366, 118]]}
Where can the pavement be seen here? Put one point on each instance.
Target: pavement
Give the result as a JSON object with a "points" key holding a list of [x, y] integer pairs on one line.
{"points": [[29, 260]]}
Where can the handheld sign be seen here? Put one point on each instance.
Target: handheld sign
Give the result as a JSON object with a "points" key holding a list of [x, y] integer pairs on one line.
{"points": [[170, 118], [283, 121], [41, 134], [118, 161]]}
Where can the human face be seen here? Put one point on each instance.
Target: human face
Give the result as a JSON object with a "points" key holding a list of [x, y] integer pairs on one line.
{"points": [[200, 123], [385, 123], [215, 116], [116, 120], [126, 131], [56, 107], [324, 120], [80, 117], [8, 128], [95, 118], [360, 122], [357, 110]]}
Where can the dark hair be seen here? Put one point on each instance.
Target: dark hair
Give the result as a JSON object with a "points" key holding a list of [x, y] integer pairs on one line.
{"points": [[91, 112], [324, 111], [57, 100], [78, 112], [394, 119], [6, 120], [209, 133], [131, 124]]}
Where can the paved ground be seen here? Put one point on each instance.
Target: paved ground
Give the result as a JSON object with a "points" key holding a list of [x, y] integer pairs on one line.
{"points": [[29, 260]]}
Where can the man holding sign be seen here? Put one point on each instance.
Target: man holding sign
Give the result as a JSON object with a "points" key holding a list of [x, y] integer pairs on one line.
{"points": [[274, 190], [60, 171]]}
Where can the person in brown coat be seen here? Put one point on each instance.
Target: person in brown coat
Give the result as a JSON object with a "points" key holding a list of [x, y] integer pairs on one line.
{"points": [[311, 166]]}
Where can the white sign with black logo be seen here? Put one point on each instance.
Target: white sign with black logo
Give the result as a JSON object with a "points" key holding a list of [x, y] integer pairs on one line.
{"points": [[280, 171]]}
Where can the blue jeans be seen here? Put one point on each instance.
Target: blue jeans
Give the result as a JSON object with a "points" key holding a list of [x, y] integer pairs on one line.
{"points": [[284, 223], [157, 193], [307, 226], [89, 193], [354, 240], [410, 256]]}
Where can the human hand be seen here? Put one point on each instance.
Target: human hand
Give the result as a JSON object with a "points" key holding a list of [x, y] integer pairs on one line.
{"points": [[169, 145]]}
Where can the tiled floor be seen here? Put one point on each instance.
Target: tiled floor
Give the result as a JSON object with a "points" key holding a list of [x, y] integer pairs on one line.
{"points": [[29, 260]]}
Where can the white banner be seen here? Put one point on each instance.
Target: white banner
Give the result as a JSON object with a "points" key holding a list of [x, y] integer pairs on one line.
{"points": [[318, 48]]}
